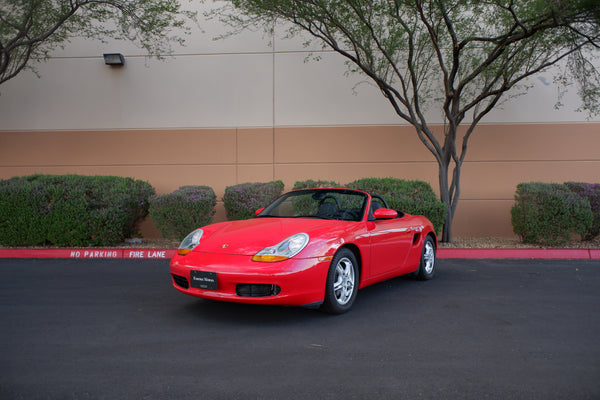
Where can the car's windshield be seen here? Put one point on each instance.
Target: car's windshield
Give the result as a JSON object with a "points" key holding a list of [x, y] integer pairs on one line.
{"points": [[337, 204]]}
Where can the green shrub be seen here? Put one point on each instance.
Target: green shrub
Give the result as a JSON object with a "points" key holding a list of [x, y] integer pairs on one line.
{"points": [[412, 197], [241, 201], [178, 213], [548, 213], [23, 206], [310, 184], [71, 210], [591, 192]]}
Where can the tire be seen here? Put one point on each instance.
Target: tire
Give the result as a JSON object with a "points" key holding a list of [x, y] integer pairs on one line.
{"points": [[342, 283], [428, 260]]}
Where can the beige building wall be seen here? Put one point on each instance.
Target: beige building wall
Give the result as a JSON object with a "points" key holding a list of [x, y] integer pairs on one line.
{"points": [[256, 108], [501, 156]]}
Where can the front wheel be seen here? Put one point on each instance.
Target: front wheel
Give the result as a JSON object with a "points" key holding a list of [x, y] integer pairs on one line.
{"points": [[427, 265], [342, 283]]}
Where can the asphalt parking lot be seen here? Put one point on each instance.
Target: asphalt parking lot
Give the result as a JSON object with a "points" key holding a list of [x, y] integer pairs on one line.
{"points": [[482, 329]]}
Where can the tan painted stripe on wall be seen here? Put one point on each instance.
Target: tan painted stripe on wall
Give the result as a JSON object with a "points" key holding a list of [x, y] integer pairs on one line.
{"points": [[499, 157]]}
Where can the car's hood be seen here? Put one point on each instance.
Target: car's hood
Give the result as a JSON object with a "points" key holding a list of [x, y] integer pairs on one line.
{"points": [[248, 237]]}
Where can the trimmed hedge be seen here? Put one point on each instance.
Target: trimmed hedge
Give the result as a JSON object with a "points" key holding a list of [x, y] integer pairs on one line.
{"points": [[71, 210], [591, 192], [310, 184], [412, 197], [178, 213], [241, 201], [548, 213]]}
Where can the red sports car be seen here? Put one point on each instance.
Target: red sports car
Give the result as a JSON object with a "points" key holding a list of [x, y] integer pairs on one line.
{"points": [[313, 247]]}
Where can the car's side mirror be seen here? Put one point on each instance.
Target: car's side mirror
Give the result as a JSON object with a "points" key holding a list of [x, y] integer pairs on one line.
{"points": [[259, 211], [385, 213]]}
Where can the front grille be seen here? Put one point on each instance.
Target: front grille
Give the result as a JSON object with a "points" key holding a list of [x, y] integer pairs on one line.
{"points": [[256, 290], [181, 281]]}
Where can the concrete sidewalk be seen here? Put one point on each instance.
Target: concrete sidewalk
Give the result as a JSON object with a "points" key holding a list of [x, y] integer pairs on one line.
{"points": [[443, 253]]}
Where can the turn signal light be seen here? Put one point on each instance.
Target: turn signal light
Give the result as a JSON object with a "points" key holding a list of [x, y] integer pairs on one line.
{"points": [[269, 258]]}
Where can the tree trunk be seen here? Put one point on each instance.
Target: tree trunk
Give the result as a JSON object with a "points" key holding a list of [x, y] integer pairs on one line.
{"points": [[445, 197]]}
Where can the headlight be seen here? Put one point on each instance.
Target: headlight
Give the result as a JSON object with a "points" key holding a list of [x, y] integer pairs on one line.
{"points": [[284, 250], [192, 240]]}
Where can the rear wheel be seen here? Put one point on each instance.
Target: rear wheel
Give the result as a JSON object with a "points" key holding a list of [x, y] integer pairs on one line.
{"points": [[342, 283], [427, 265]]}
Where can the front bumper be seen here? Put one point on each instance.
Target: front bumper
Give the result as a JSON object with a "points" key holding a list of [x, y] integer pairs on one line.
{"points": [[293, 282]]}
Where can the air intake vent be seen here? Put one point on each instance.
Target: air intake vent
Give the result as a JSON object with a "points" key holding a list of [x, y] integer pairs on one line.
{"points": [[181, 281], [256, 290]]}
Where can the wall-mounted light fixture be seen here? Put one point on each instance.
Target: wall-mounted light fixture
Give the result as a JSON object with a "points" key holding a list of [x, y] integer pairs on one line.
{"points": [[114, 59]]}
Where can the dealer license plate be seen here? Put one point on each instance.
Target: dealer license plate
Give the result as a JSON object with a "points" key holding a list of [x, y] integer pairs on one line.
{"points": [[203, 280]]}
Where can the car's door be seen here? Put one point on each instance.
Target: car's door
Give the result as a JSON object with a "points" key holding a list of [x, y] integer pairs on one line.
{"points": [[391, 241]]}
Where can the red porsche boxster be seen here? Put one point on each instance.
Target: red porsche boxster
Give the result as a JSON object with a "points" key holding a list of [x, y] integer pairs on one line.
{"points": [[313, 247]]}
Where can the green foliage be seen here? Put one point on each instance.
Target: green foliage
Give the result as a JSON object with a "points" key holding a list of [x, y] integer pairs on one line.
{"points": [[71, 210], [412, 197], [241, 201], [590, 192], [311, 184], [186, 209], [548, 213], [31, 29]]}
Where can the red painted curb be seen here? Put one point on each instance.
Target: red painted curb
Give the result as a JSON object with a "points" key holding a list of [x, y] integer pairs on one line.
{"points": [[564, 254], [88, 253], [595, 254]]}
